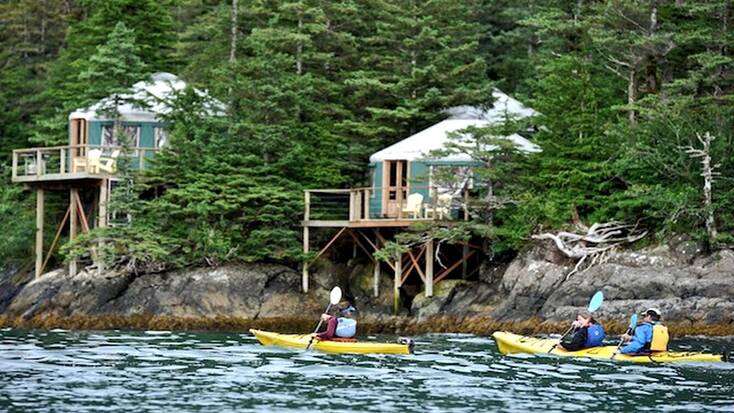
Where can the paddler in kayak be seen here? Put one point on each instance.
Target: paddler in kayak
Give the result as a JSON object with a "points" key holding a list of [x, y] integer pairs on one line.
{"points": [[587, 333], [649, 336], [344, 327]]}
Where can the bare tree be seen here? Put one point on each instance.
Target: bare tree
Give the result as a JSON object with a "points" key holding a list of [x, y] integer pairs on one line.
{"points": [[708, 172]]}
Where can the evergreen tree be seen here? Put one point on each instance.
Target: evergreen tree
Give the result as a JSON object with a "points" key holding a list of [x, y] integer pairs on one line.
{"points": [[419, 59], [65, 92]]}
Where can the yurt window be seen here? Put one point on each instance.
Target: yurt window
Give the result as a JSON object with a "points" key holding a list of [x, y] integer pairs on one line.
{"points": [[109, 138]]}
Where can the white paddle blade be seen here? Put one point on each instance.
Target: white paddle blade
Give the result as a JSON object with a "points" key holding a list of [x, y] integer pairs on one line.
{"points": [[335, 296]]}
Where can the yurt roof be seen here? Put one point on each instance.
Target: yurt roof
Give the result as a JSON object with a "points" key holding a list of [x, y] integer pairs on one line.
{"points": [[419, 145], [153, 93]]}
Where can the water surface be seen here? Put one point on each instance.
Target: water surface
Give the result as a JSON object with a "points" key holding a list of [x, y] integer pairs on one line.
{"points": [[123, 371]]}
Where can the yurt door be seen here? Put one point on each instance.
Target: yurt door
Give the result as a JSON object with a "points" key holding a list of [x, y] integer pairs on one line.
{"points": [[78, 136], [394, 187]]}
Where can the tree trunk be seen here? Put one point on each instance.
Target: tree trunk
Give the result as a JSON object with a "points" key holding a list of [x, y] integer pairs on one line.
{"points": [[233, 44], [299, 49], [708, 179], [632, 93]]}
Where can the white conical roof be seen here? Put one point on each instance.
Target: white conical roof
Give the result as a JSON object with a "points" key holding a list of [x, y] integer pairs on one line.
{"points": [[153, 92], [419, 145]]}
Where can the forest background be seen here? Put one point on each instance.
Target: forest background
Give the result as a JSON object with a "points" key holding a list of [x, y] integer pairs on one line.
{"points": [[625, 89]]}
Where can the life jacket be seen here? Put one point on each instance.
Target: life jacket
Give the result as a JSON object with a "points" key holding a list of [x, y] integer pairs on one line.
{"points": [[346, 327], [660, 338], [594, 336]]}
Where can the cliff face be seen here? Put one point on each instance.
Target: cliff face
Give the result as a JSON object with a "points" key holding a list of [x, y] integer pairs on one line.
{"points": [[687, 287], [675, 279], [245, 291]]}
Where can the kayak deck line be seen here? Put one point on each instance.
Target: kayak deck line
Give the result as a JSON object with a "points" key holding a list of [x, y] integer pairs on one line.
{"points": [[509, 343], [301, 341]]}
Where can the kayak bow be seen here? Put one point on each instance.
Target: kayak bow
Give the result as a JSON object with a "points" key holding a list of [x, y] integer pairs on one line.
{"points": [[509, 343], [267, 338]]}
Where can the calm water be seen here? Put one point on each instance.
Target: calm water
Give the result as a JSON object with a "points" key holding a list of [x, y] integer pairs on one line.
{"points": [[217, 372]]}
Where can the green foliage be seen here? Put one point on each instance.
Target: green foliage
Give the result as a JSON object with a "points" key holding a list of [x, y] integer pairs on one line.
{"points": [[623, 87], [17, 224]]}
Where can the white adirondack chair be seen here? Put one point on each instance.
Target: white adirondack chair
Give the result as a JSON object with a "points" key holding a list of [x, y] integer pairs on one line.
{"points": [[414, 205]]}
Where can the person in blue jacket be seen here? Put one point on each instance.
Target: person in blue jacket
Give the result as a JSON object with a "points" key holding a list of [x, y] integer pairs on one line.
{"points": [[587, 333], [641, 342]]}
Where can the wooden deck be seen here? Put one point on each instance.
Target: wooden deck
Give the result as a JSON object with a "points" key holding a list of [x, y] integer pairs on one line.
{"points": [[368, 208], [71, 164], [360, 213], [366, 223]]}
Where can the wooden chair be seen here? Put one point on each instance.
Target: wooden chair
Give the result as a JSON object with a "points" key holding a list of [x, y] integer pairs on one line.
{"points": [[441, 209], [89, 163], [109, 164], [414, 205]]}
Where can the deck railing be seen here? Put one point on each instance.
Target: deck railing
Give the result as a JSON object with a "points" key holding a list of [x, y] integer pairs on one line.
{"points": [[368, 204], [70, 161]]}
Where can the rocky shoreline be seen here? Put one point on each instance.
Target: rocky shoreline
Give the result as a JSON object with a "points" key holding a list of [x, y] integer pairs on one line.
{"points": [[531, 294]]}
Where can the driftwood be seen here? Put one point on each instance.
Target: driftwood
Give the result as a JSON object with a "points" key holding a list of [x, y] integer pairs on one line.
{"points": [[594, 244]]}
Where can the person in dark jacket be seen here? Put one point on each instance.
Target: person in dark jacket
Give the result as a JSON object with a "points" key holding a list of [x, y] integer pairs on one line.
{"points": [[586, 333]]}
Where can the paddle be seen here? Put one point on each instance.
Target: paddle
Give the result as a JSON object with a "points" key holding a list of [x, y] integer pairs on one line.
{"points": [[630, 329], [596, 300], [334, 297]]}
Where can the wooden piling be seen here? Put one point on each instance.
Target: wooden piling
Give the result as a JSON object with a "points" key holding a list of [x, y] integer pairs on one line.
{"points": [[39, 231], [396, 285], [73, 218], [429, 268]]}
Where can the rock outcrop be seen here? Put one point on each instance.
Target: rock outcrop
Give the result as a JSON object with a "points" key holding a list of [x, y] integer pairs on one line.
{"points": [[246, 291], [685, 285]]}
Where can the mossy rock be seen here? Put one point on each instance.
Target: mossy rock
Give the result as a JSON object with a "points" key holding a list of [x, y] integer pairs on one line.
{"points": [[427, 306]]}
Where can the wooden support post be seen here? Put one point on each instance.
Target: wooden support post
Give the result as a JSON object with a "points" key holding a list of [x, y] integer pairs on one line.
{"points": [[39, 159], [304, 276], [376, 278], [306, 218], [429, 268], [366, 204], [39, 231], [102, 219], [15, 164], [396, 285], [56, 238], [399, 189], [62, 161], [73, 218], [376, 270]]}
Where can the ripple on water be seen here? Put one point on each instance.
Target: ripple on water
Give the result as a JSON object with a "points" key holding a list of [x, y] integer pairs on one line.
{"points": [[123, 371]]}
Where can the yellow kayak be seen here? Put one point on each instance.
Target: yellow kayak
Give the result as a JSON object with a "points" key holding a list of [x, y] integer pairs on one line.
{"points": [[267, 338], [508, 343]]}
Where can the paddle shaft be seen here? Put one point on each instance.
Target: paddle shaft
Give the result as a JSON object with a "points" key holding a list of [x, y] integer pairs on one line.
{"points": [[561, 339], [318, 326], [621, 340]]}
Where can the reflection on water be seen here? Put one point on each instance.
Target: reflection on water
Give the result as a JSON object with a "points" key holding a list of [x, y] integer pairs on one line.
{"points": [[180, 371]]}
